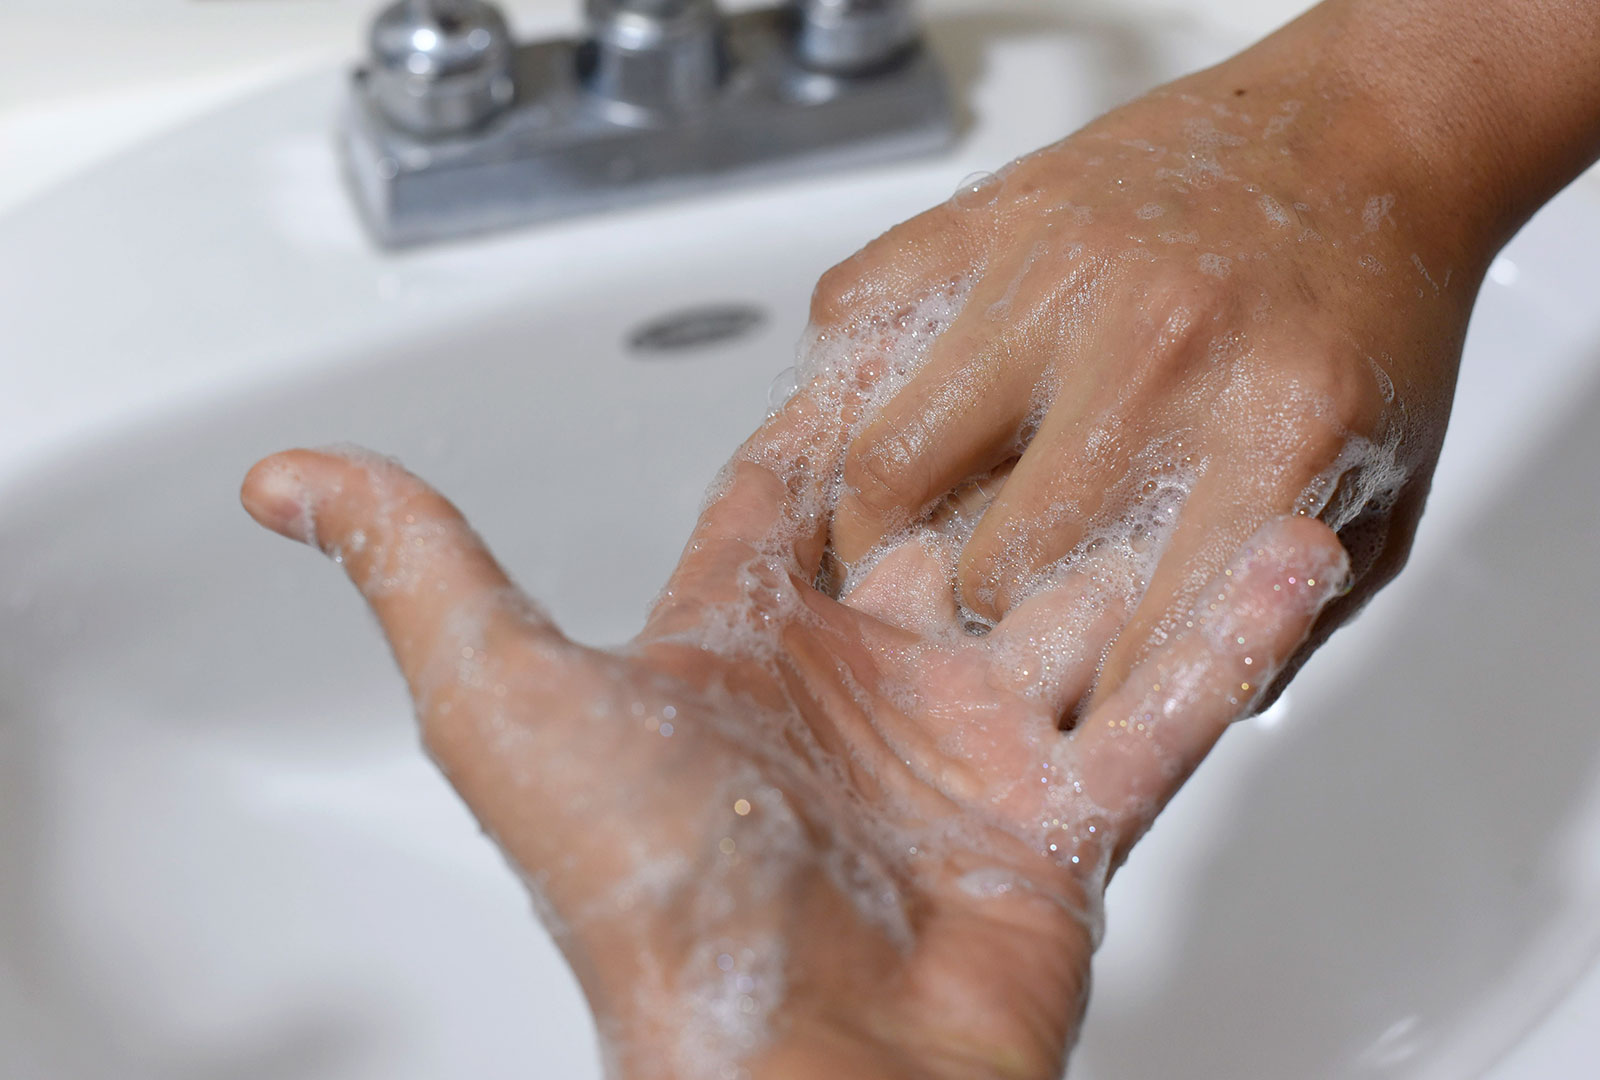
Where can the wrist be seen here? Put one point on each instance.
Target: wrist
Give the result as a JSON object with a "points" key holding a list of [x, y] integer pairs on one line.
{"points": [[1477, 113]]}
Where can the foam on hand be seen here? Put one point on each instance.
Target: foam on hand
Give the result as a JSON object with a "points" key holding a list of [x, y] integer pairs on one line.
{"points": [[942, 746]]}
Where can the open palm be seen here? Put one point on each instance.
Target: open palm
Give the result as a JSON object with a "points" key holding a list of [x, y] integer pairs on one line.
{"points": [[783, 834]]}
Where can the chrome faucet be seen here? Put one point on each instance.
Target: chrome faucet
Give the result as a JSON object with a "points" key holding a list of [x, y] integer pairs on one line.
{"points": [[452, 128], [440, 67]]}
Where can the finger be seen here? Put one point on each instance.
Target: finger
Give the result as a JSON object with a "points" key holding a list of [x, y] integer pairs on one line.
{"points": [[967, 503], [1079, 460], [1137, 746], [910, 587], [765, 520], [958, 417], [1379, 543], [1233, 497], [428, 578], [962, 414], [1049, 646], [930, 249]]}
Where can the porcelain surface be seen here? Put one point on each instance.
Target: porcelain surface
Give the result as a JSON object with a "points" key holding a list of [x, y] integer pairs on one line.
{"points": [[223, 855]]}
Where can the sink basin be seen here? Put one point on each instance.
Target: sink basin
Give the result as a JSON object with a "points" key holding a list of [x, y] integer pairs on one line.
{"points": [[222, 854]]}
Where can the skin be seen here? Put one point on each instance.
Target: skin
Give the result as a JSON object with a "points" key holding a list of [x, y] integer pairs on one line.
{"points": [[1241, 275], [1261, 273], [686, 798]]}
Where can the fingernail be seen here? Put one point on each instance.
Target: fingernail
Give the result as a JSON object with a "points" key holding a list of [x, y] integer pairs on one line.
{"points": [[275, 495]]}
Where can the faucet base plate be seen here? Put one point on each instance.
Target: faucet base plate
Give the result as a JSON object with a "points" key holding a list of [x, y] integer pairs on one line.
{"points": [[562, 150]]}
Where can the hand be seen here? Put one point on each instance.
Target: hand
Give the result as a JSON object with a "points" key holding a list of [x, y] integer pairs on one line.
{"points": [[781, 836], [1252, 286]]}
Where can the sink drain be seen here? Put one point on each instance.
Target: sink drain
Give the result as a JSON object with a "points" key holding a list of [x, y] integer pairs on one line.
{"points": [[696, 328]]}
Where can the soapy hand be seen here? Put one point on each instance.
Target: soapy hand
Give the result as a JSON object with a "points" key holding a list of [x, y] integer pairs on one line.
{"points": [[1214, 282], [781, 835], [850, 814]]}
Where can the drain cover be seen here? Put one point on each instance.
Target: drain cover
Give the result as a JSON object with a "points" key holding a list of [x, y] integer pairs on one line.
{"points": [[696, 327]]}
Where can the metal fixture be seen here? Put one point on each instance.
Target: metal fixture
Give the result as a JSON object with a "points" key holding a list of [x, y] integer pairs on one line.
{"points": [[439, 67], [452, 129], [653, 55], [851, 37]]}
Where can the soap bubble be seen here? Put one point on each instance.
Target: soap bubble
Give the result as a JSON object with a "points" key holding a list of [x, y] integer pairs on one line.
{"points": [[782, 389], [977, 190]]}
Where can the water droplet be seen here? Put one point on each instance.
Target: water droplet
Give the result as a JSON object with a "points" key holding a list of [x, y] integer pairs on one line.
{"points": [[979, 189]]}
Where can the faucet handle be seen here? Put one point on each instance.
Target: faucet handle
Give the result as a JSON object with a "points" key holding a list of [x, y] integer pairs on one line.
{"points": [[853, 37], [440, 67], [654, 56]]}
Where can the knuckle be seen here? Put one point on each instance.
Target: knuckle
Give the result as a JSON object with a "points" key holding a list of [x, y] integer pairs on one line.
{"points": [[1354, 394], [1182, 312], [889, 268], [1343, 391], [885, 471], [1322, 443], [888, 468], [830, 300], [1300, 391]]}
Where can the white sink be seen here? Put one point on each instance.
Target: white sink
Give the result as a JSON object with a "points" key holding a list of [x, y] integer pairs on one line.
{"points": [[222, 855]]}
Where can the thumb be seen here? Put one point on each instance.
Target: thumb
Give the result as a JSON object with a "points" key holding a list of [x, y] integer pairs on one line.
{"points": [[429, 579], [529, 727]]}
